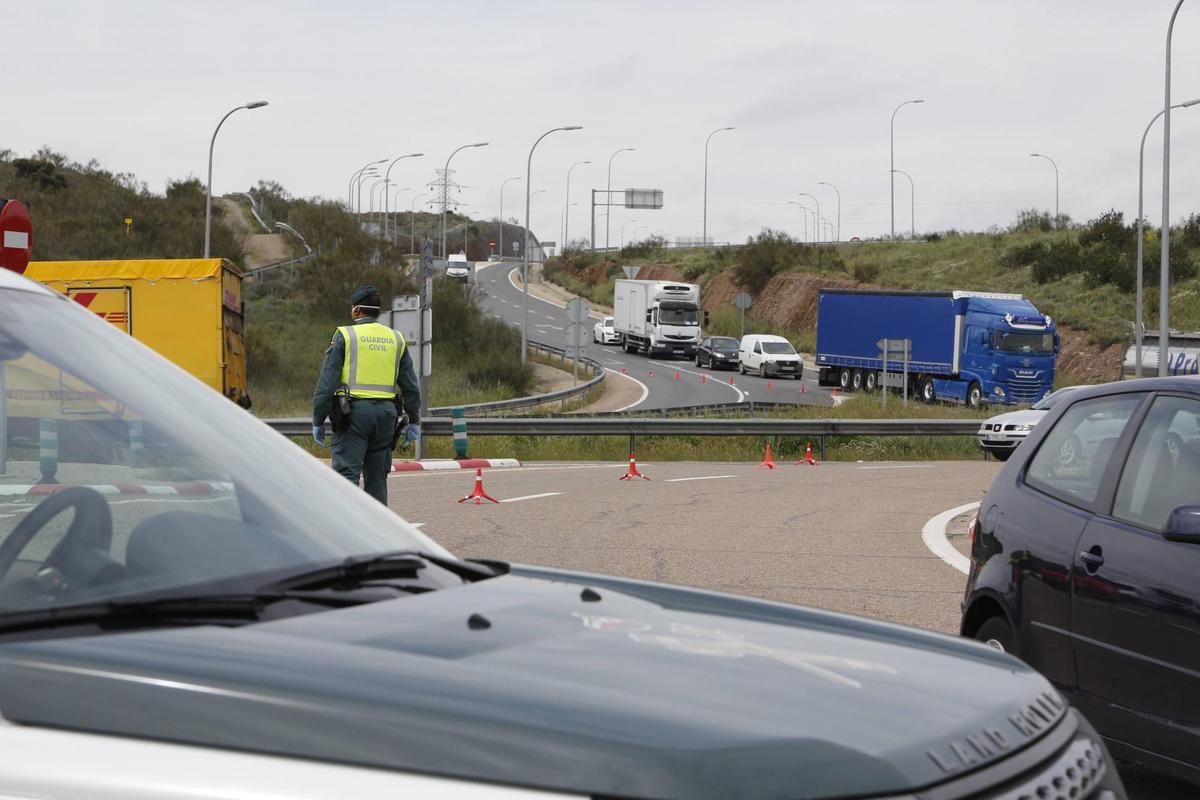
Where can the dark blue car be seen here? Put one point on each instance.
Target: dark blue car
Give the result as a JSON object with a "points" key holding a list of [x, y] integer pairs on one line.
{"points": [[1088, 567]]}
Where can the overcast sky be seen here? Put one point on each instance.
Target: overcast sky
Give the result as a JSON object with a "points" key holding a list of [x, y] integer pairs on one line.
{"points": [[810, 87]]}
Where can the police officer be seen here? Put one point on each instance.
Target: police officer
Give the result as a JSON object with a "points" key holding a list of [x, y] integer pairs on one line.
{"points": [[372, 360]]}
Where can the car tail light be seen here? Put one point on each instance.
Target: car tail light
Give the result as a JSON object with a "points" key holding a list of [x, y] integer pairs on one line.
{"points": [[973, 529]]}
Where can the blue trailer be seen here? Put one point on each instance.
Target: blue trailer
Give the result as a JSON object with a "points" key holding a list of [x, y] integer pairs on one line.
{"points": [[967, 347]]}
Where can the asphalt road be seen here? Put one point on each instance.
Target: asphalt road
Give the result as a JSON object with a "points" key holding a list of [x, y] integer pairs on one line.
{"points": [[548, 322], [841, 536]]}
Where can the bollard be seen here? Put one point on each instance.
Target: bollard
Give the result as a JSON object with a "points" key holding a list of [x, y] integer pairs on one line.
{"points": [[137, 446], [48, 449], [459, 424]]}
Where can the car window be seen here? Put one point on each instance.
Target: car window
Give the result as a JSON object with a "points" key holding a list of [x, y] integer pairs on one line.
{"points": [[1071, 460], [1161, 473], [757, 347], [779, 348]]}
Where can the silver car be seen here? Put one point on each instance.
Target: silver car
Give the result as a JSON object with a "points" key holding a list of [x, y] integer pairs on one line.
{"points": [[1001, 434]]}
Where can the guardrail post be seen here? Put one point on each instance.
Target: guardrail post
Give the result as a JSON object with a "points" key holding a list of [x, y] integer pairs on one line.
{"points": [[48, 450], [823, 456], [459, 426], [632, 442]]}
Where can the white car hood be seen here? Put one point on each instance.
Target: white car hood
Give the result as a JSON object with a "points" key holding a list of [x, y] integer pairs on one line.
{"points": [[1026, 416]]}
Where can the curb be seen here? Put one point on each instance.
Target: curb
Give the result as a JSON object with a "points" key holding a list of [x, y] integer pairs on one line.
{"points": [[192, 488], [466, 463]]}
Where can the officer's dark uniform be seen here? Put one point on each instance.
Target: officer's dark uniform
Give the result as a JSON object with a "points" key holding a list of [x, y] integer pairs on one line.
{"points": [[364, 446]]}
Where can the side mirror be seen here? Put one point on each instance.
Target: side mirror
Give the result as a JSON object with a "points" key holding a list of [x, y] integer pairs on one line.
{"points": [[1183, 525], [706, 319], [1057, 343], [984, 339], [649, 313]]}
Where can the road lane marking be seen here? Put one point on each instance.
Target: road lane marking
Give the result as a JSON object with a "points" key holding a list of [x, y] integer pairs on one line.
{"points": [[701, 478], [530, 497], [934, 536], [645, 389], [902, 466], [512, 279], [741, 395]]}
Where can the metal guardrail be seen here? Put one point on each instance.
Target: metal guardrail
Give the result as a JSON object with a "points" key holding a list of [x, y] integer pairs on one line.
{"points": [[291, 262], [819, 429], [562, 395]]}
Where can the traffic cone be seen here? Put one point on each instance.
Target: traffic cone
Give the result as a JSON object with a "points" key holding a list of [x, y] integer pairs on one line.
{"points": [[703, 378], [802, 389], [478, 494], [770, 387], [808, 456], [632, 472], [624, 370], [767, 462], [676, 374], [649, 373], [834, 392], [731, 383]]}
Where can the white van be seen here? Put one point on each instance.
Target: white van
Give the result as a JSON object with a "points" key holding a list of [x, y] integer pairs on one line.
{"points": [[457, 266], [769, 356]]}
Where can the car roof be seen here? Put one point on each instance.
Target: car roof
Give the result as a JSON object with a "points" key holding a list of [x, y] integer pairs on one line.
{"points": [[1180, 383], [762, 337]]}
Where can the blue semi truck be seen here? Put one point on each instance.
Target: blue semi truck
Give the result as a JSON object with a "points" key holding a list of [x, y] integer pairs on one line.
{"points": [[967, 347]]}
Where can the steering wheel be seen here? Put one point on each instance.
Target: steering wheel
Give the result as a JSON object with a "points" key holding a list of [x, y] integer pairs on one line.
{"points": [[92, 525]]}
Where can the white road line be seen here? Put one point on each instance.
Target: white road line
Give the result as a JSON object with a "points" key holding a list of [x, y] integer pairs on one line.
{"points": [[417, 524], [530, 497], [902, 466], [645, 390], [934, 536], [518, 286], [741, 395], [701, 478]]}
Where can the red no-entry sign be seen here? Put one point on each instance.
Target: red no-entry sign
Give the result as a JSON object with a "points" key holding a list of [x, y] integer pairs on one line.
{"points": [[16, 236]]}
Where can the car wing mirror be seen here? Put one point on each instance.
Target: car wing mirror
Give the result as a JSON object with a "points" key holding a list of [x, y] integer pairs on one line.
{"points": [[706, 319], [1183, 525]]}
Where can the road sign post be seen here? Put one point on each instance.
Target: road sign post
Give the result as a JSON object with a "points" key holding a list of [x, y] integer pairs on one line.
{"points": [[743, 301], [425, 334], [577, 315]]}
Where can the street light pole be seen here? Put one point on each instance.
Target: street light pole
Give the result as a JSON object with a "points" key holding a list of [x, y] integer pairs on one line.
{"points": [[912, 205], [445, 185], [704, 229], [525, 244], [892, 164], [567, 204], [803, 216], [818, 202], [608, 198], [357, 189], [353, 178], [1051, 160], [412, 222], [1138, 324], [1164, 279], [208, 191], [387, 181], [502, 183], [838, 234]]}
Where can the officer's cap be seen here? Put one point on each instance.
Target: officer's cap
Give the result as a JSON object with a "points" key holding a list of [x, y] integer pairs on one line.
{"points": [[362, 293]]}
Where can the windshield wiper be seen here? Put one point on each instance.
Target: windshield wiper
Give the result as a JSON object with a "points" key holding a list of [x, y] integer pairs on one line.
{"points": [[395, 564], [197, 609]]}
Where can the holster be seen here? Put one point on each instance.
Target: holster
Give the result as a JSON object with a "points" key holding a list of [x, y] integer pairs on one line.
{"points": [[339, 413], [401, 421]]}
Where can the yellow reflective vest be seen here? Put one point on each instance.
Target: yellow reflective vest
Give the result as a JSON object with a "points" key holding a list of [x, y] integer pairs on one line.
{"points": [[373, 354]]}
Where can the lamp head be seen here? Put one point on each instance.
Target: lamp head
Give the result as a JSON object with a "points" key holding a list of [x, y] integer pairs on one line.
{"points": [[1190, 103], [256, 104]]}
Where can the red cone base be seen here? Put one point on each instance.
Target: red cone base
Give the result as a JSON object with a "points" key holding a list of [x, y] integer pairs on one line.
{"points": [[478, 494], [808, 456], [767, 462], [632, 472]]}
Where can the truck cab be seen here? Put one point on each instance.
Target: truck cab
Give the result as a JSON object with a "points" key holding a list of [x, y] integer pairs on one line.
{"points": [[657, 317], [1008, 348]]}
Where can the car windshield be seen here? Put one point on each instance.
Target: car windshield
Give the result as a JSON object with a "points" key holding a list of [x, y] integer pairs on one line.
{"points": [[608, 322], [1048, 402], [779, 348], [678, 314], [120, 474], [724, 343], [1014, 342]]}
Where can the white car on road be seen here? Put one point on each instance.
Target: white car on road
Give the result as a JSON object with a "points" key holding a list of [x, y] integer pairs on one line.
{"points": [[603, 332], [769, 356], [1001, 434]]}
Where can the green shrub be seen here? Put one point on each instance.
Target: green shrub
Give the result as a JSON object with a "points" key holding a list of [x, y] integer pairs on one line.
{"points": [[1060, 259], [1024, 254], [866, 271]]}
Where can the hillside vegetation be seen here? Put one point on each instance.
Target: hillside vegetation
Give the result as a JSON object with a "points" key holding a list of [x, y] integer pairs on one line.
{"points": [[78, 213], [1081, 275]]}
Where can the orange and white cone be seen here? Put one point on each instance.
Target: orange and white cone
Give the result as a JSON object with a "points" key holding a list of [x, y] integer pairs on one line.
{"points": [[676, 374], [808, 456], [649, 373], [731, 383], [478, 494], [770, 386], [703, 378], [767, 462], [802, 389], [632, 472], [834, 392]]}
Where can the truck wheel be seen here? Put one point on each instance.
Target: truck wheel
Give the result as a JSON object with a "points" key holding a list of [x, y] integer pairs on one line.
{"points": [[871, 380], [844, 379], [927, 393], [975, 395], [856, 381]]}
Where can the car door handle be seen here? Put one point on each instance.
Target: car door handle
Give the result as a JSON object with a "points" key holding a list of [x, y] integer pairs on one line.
{"points": [[1091, 561]]}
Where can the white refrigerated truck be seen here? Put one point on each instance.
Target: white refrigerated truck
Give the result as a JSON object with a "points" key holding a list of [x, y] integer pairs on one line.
{"points": [[657, 317]]}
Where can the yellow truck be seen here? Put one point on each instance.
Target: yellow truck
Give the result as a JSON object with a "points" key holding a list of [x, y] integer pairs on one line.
{"points": [[189, 310]]}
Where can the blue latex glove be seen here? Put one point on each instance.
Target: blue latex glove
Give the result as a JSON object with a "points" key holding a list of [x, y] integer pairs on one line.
{"points": [[410, 433], [319, 434]]}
